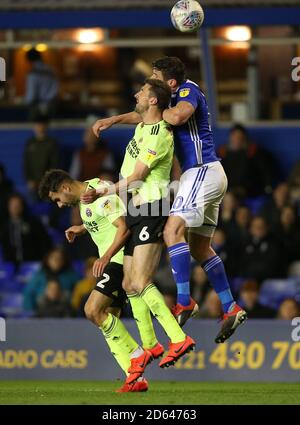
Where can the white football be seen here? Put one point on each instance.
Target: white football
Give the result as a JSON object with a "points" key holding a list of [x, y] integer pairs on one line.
{"points": [[187, 15]]}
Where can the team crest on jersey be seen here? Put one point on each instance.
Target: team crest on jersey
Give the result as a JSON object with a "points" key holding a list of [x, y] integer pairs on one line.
{"points": [[184, 92], [107, 205], [88, 212]]}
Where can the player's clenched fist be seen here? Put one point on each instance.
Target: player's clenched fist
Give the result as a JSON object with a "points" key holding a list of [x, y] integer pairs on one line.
{"points": [[74, 231], [103, 124]]}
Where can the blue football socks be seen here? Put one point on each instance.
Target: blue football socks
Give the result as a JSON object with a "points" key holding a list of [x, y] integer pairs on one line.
{"points": [[181, 267], [216, 274]]}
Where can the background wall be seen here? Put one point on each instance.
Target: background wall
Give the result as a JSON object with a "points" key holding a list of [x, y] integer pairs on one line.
{"points": [[75, 349], [283, 142]]}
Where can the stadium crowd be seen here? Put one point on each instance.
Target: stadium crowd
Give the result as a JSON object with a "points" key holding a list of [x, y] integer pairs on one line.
{"points": [[258, 236]]}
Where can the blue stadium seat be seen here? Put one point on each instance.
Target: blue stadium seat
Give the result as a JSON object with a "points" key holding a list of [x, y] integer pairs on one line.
{"points": [[255, 204], [11, 304], [26, 270], [40, 209], [79, 267], [11, 286], [56, 236], [7, 272], [236, 283], [274, 291]]}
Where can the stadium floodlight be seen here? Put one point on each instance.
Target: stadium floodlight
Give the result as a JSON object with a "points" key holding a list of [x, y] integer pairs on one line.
{"points": [[238, 33], [41, 47], [89, 36]]}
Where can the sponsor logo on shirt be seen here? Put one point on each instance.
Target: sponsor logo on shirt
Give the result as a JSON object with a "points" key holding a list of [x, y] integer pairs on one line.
{"points": [[184, 92], [133, 149], [151, 154]]}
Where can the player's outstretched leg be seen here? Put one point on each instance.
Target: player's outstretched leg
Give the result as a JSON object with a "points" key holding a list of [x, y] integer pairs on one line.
{"points": [[144, 262], [180, 259], [141, 314], [122, 345], [212, 264], [180, 344], [140, 385]]}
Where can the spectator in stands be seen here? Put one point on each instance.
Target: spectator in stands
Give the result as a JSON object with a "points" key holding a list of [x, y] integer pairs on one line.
{"points": [[288, 232], [225, 252], [41, 154], [237, 230], [294, 183], [23, 237], [6, 189], [163, 277], [272, 209], [249, 169], [228, 208], [89, 161], [212, 307], [199, 284], [83, 288], [55, 266], [249, 294], [41, 87], [288, 309], [261, 256], [54, 303]]}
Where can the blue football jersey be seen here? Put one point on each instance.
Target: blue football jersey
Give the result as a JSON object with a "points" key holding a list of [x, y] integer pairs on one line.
{"points": [[193, 140]]}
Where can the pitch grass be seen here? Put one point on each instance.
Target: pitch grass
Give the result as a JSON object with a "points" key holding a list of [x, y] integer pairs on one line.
{"points": [[168, 393]]}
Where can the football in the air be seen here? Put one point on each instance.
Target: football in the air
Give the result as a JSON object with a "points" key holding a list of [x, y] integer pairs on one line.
{"points": [[187, 15]]}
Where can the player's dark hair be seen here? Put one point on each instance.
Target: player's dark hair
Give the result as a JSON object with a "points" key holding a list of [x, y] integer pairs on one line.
{"points": [[52, 181], [161, 91], [171, 67], [33, 55]]}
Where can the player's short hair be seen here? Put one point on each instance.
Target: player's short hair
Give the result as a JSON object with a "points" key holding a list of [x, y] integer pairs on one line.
{"points": [[52, 181], [171, 67], [161, 91]]}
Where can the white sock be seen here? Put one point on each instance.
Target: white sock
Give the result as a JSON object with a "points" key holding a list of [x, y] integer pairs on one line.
{"points": [[137, 353]]}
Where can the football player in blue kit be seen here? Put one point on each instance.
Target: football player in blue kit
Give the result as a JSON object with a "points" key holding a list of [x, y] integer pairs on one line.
{"points": [[202, 186]]}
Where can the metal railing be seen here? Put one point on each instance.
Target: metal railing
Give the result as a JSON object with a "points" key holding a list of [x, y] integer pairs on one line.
{"points": [[119, 4]]}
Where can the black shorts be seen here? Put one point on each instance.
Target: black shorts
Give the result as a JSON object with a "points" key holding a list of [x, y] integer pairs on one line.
{"points": [[110, 284], [148, 226]]}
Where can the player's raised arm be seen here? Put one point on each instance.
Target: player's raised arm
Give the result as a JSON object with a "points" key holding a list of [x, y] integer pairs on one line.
{"points": [[105, 123], [179, 114], [139, 174]]}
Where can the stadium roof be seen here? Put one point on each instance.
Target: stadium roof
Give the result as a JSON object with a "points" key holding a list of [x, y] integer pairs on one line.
{"points": [[119, 4]]}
